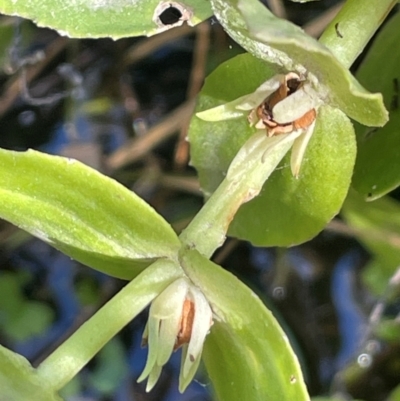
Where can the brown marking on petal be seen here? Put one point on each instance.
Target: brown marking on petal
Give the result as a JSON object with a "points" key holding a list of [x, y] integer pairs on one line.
{"points": [[306, 120], [191, 358], [186, 324], [263, 112]]}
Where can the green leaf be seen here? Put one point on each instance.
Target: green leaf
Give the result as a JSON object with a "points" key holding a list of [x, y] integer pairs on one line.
{"points": [[288, 210], [247, 355], [278, 41], [21, 318], [84, 214], [377, 226], [19, 381], [105, 18], [111, 367], [377, 168]]}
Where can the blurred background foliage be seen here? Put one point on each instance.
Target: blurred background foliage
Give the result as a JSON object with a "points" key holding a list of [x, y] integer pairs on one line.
{"points": [[123, 107]]}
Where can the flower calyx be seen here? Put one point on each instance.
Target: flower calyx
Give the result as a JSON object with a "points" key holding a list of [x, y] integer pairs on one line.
{"points": [[179, 317]]}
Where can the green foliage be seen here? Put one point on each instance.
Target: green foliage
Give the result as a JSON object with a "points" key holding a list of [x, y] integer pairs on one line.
{"points": [[81, 212], [288, 210], [104, 225], [20, 382], [280, 42], [377, 169], [247, 355], [377, 226], [19, 317], [102, 18]]}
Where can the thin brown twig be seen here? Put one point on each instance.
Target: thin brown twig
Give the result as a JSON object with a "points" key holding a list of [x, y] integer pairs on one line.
{"points": [[13, 87], [195, 83], [317, 25], [277, 8], [138, 147], [149, 45]]}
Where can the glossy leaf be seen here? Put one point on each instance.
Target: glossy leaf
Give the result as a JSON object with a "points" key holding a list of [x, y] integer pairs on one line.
{"points": [[278, 41], [377, 226], [377, 169], [19, 381], [84, 214], [106, 18], [288, 210], [247, 355]]}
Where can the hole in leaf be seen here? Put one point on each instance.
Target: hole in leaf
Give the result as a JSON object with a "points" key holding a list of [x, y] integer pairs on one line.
{"points": [[170, 16]]}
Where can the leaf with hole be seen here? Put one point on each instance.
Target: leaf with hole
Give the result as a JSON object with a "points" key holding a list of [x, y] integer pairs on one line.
{"points": [[109, 18]]}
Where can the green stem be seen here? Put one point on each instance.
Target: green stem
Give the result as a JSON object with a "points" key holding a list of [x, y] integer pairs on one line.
{"points": [[72, 355], [245, 178], [352, 28]]}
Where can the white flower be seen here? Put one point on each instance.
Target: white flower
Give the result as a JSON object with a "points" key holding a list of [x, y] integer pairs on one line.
{"points": [[179, 316], [283, 105]]}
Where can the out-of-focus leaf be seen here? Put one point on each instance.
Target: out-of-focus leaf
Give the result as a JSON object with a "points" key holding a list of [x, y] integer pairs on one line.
{"points": [[377, 226], [388, 330], [377, 169], [394, 395], [278, 41], [19, 381], [111, 367], [247, 355], [84, 214], [20, 318], [288, 210], [108, 18]]}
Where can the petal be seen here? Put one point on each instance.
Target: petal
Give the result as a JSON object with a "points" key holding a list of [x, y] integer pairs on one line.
{"points": [[153, 327], [225, 111], [201, 326], [279, 140], [184, 381], [169, 302], [235, 108], [299, 149], [296, 105], [153, 377], [254, 99]]}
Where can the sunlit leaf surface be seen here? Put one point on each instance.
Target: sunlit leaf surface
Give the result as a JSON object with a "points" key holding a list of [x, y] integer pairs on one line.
{"points": [[279, 41], [288, 210], [19, 381], [86, 215], [108, 18]]}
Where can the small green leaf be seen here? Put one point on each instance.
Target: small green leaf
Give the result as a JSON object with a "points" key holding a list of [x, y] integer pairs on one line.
{"points": [[377, 168], [19, 381], [377, 226], [288, 210], [278, 41], [106, 18], [84, 214], [247, 355]]}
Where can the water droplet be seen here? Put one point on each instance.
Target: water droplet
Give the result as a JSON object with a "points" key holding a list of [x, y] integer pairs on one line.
{"points": [[364, 360], [279, 293]]}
